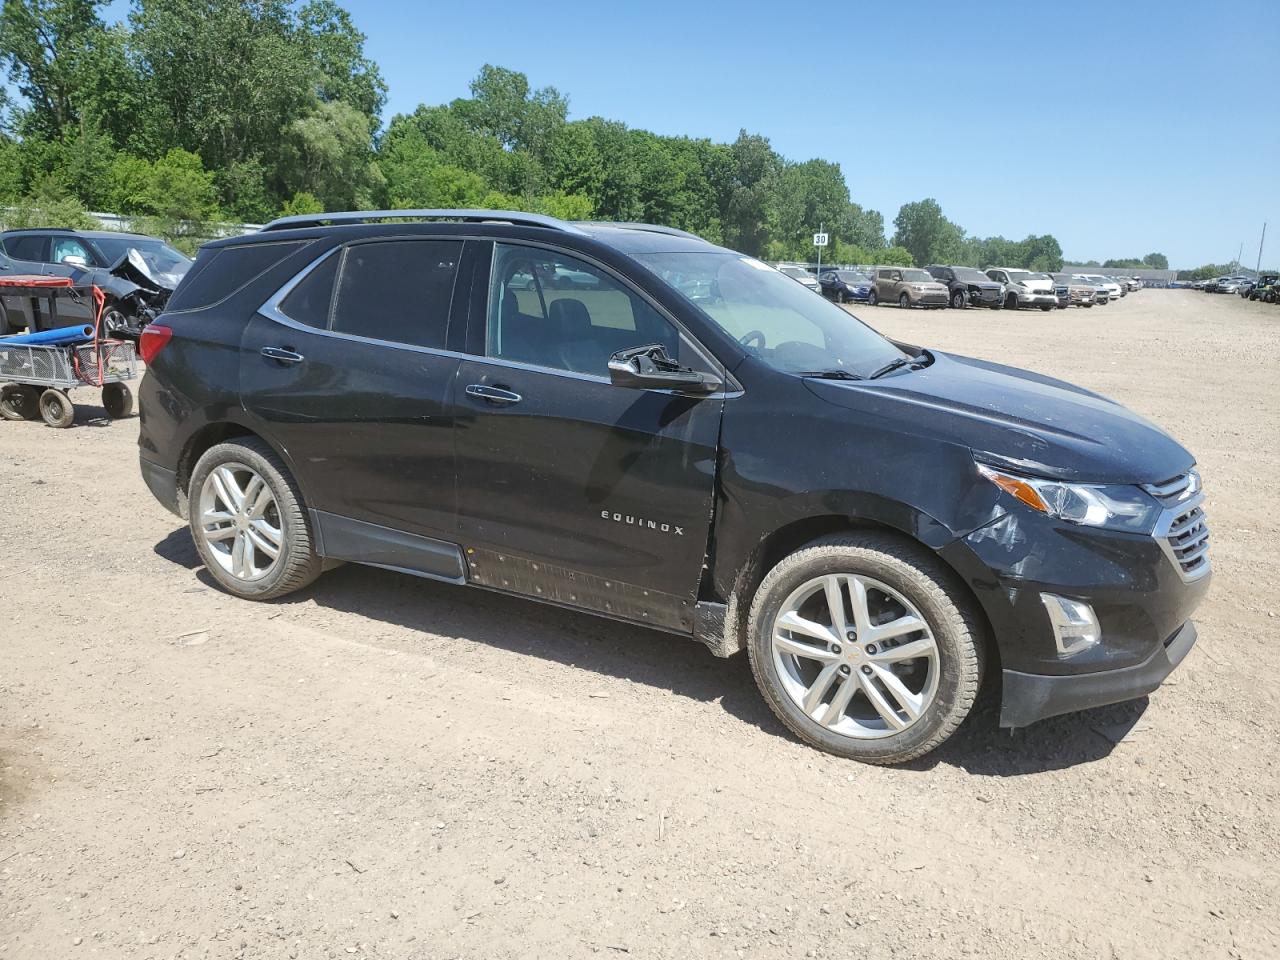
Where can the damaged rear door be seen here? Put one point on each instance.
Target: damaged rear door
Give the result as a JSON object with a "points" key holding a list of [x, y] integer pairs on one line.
{"points": [[571, 489]]}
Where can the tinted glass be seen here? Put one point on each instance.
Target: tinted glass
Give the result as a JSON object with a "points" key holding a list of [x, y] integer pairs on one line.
{"points": [[397, 290], [26, 248], [309, 301], [222, 271], [553, 310]]}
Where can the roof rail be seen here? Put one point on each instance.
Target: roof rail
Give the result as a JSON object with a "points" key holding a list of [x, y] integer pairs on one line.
{"points": [[646, 227], [469, 216]]}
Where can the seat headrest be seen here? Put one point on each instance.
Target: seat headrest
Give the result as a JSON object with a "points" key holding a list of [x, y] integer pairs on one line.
{"points": [[570, 318]]}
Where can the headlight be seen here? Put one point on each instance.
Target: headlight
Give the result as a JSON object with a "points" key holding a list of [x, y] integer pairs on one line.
{"points": [[1114, 506]]}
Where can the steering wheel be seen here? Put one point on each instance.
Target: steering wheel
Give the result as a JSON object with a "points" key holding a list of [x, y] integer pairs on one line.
{"points": [[756, 335]]}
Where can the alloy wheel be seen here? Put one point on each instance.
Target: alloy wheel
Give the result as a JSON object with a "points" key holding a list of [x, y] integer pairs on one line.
{"points": [[855, 656], [240, 521]]}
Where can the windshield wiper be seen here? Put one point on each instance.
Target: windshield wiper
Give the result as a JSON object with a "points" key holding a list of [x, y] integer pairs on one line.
{"points": [[830, 374], [923, 359]]}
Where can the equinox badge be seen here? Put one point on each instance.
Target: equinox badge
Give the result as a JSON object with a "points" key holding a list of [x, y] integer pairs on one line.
{"points": [[641, 522]]}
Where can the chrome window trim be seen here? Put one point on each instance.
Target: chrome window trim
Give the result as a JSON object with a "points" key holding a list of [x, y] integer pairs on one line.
{"points": [[707, 356]]}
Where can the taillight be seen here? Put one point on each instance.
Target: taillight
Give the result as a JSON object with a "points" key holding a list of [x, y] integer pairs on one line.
{"points": [[152, 341]]}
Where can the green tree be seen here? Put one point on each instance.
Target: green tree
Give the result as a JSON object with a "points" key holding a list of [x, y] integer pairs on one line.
{"points": [[46, 46], [922, 230], [329, 154], [1156, 261], [335, 48], [755, 173]]}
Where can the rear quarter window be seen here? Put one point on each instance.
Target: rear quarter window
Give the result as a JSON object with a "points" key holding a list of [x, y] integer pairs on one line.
{"points": [[222, 271]]}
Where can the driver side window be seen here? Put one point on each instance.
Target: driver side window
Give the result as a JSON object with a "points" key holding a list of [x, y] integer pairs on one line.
{"points": [[64, 247], [553, 310]]}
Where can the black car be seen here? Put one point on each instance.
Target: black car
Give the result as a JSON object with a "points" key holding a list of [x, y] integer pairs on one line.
{"points": [[844, 286], [692, 442], [969, 286], [135, 272]]}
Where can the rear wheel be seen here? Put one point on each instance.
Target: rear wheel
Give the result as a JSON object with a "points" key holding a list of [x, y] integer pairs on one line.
{"points": [[864, 647], [19, 401], [249, 522], [117, 398], [904, 302], [56, 408]]}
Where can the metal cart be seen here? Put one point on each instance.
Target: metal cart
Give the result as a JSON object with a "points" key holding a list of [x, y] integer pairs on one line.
{"points": [[35, 378]]}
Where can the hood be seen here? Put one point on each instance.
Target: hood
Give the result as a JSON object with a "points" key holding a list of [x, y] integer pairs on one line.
{"points": [[134, 268], [1022, 420]]}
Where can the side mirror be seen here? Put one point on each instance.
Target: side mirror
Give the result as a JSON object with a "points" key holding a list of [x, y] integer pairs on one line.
{"points": [[74, 260], [649, 368]]}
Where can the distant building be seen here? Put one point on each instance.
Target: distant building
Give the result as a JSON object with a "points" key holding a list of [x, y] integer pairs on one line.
{"points": [[1159, 278]]}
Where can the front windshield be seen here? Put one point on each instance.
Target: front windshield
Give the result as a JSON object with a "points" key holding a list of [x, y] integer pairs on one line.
{"points": [[1020, 276], [1038, 276], [852, 276], [970, 275], [774, 318], [159, 257], [917, 276]]}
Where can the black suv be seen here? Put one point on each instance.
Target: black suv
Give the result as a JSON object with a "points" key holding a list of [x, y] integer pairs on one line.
{"points": [[968, 286], [630, 421]]}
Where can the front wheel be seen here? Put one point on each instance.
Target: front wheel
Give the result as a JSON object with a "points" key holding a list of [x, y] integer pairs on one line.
{"points": [[1011, 303], [958, 300], [249, 522], [866, 647], [904, 302], [1046, 309], [56, 409], [873, 298]]}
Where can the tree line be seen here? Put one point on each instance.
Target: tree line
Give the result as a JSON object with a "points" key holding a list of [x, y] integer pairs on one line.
{"points": [[194, 111]]}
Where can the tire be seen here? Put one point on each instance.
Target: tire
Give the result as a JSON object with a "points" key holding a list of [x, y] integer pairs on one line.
{"points": [[117, 398], [19, 401], [873, 298], [296, 564], [1011, 302], [1046, 309], [958, 300], [4, 321], [904, 302], [56, 409], [919, 578], [840, 297], [113, 324]]}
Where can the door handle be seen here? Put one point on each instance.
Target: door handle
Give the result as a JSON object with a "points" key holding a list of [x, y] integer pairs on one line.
{"points": [[495, 395], [282, 355]]}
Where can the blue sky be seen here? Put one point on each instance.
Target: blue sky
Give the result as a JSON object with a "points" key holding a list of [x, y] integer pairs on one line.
{"points": [[1121, 128]]}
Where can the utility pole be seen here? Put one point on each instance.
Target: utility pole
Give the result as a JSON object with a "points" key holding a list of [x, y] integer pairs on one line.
{"points": [[1258, 268], [1239, 254]]}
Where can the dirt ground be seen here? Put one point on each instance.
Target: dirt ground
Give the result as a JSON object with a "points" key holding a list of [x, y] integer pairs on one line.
{"points": [[389, 767]]}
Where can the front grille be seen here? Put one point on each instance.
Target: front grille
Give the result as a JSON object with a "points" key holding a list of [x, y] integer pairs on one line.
{"points": [[1182, 530]]}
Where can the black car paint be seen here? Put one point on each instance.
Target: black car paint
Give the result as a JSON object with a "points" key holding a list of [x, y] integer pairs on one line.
{"points": [[575, 495]]}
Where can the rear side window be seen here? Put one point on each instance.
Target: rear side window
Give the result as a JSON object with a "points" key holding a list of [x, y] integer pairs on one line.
{"points": [[222, 271], [27, 248], [309, 301], [397, 290]]}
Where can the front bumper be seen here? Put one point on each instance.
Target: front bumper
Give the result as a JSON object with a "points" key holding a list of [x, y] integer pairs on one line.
{"points": [[1029, 697], [1037, 300]]}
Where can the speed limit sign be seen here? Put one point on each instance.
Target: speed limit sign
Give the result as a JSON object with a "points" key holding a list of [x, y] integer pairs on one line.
{"points": [[819, 239]]}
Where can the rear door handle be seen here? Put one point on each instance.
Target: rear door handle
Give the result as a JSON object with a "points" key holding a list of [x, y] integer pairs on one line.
{"points": [[282, 355], [494, 395]]}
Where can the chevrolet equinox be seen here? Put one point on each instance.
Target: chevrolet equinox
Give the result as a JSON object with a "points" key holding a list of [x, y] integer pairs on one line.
{"points": [[628, 420]]}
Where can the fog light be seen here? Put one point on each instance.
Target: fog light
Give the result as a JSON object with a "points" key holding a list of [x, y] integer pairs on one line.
{"points": [[1075, 625]]}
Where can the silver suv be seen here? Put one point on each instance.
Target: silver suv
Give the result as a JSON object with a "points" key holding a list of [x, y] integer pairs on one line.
{"points": [[1024, 288]]}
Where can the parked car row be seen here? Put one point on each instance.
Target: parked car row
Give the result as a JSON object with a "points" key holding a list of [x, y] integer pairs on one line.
{"points": [[1263, 287], [958, 286]]}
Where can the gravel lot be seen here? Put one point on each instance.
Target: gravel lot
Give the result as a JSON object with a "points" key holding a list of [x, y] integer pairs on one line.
{"points": [[389, 767]]}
